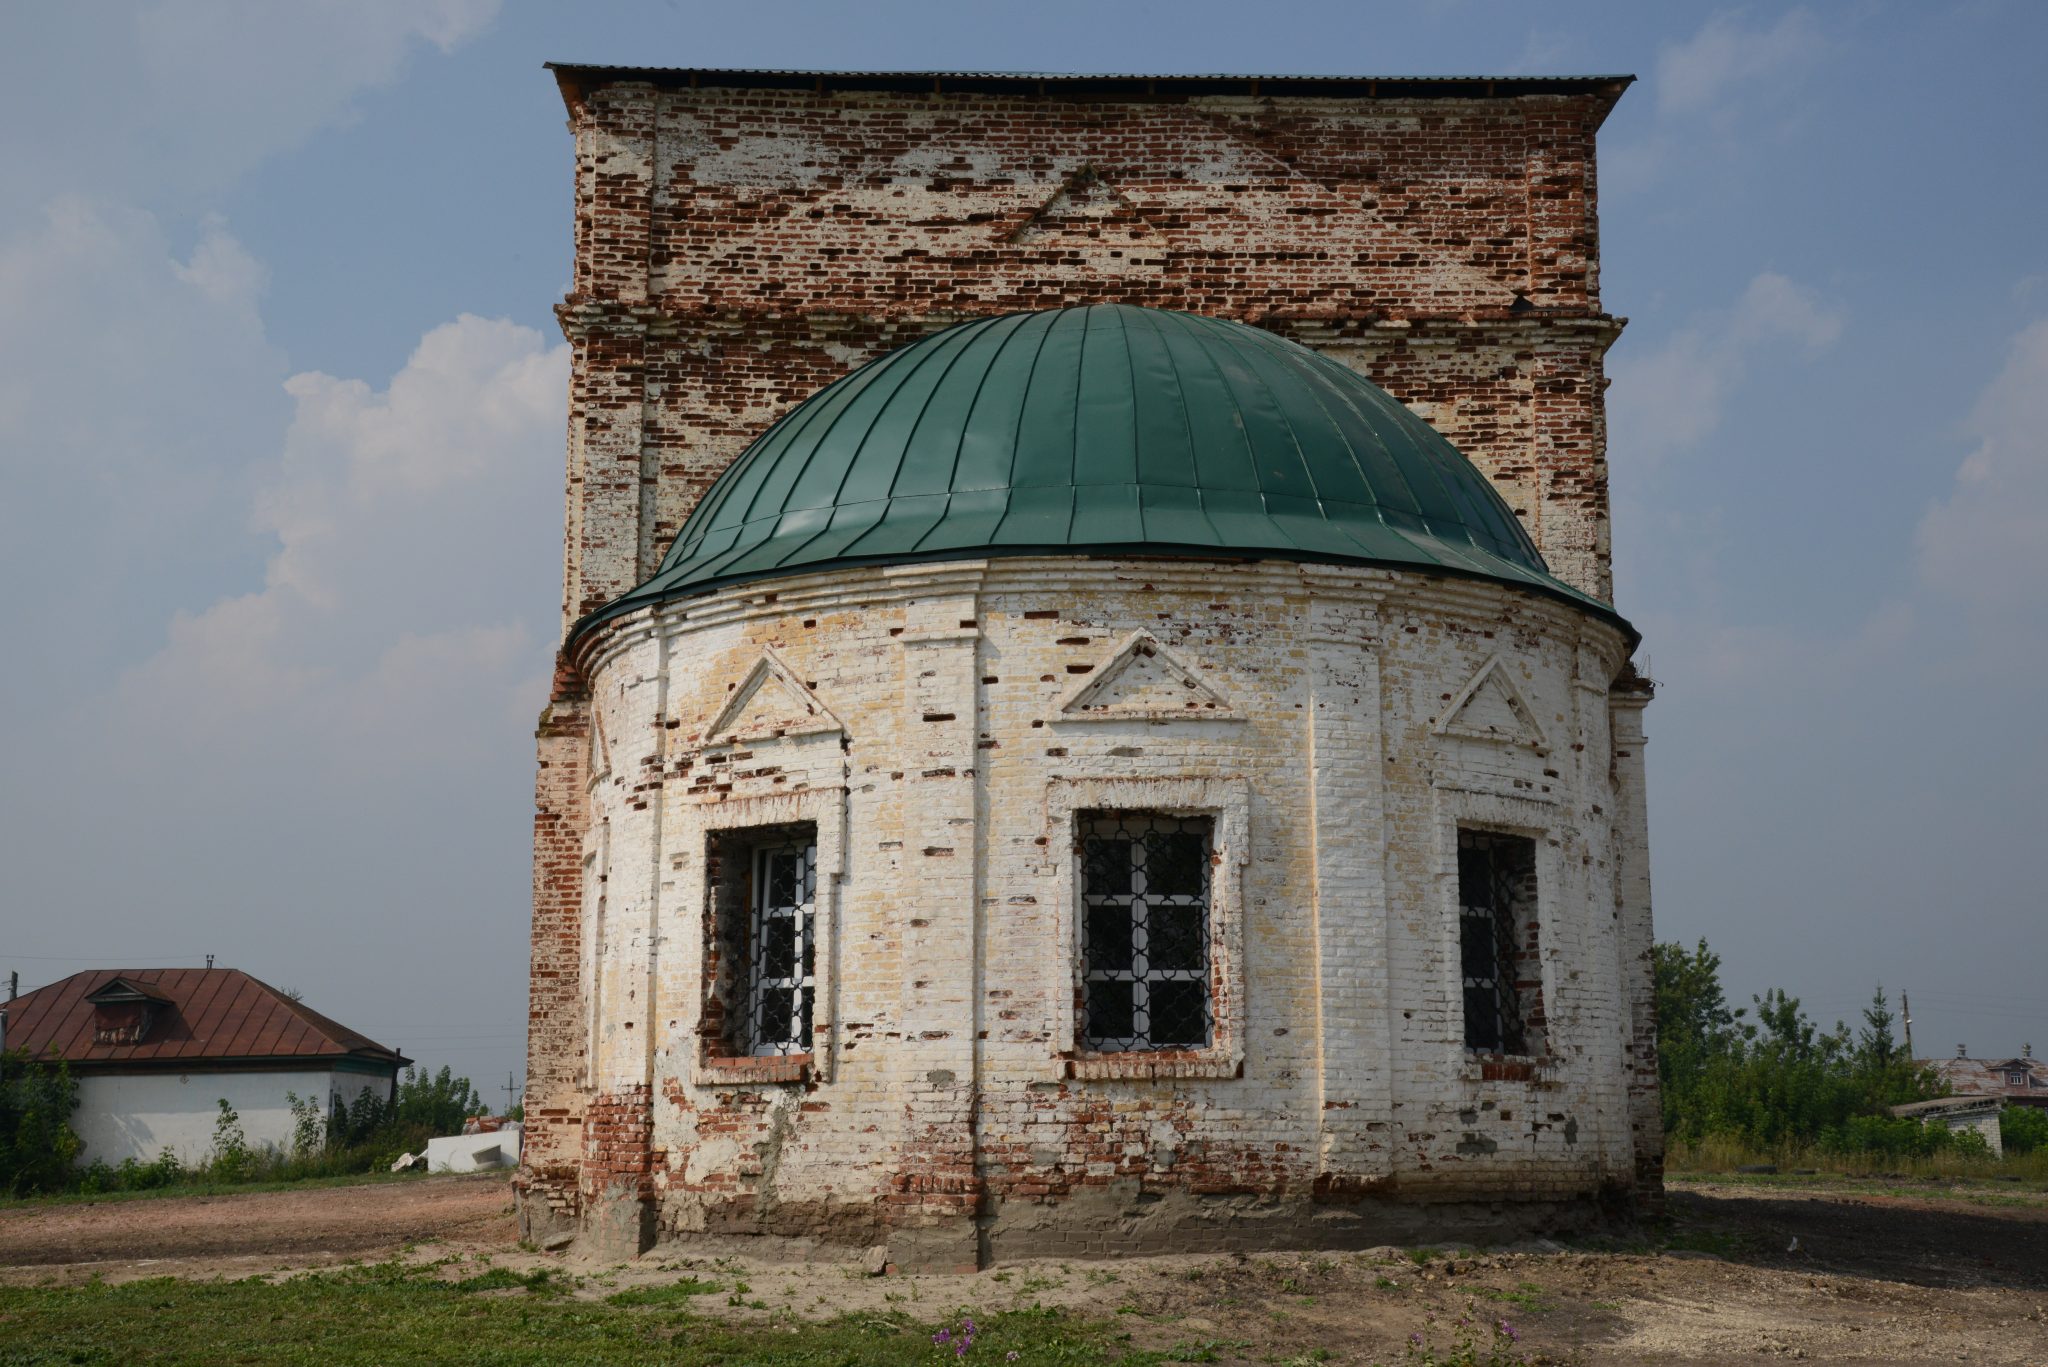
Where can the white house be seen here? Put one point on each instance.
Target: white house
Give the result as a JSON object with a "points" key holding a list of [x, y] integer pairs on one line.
{"points": [[155, 1051]]}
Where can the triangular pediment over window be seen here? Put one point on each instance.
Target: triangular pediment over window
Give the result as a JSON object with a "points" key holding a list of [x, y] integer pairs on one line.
{"points": [[1145, 680], [1491, 708], [770, 701]]}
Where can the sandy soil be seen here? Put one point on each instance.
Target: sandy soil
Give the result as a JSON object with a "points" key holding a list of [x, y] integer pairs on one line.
{"points": [[237, 1235], [1878, 1275]]}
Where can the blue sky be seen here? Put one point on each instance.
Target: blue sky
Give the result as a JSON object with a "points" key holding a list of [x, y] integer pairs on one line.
{"points": [[281, 407]]}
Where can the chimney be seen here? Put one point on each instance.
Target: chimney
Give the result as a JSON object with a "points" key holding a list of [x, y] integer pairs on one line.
{"points": [[209, 961], [2026, 1051], [1962, 1050]]}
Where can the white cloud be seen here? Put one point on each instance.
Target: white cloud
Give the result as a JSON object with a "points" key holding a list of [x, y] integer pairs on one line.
{"points": [[404, 600], [320, 773], [1673, 397], [137, 390], [1544, 53], [1725, 56], [1986, 545], [174, 100], [1718, 94]]}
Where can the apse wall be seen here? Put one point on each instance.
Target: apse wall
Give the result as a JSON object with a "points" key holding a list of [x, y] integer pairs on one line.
{"points": [[939, 727]]}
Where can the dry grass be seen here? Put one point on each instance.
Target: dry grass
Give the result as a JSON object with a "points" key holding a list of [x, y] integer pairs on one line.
{"points": [[1717, 1155]]}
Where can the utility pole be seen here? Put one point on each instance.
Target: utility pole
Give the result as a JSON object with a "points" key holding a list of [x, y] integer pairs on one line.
{"points": [[1906, 1014], [511, 1091]]}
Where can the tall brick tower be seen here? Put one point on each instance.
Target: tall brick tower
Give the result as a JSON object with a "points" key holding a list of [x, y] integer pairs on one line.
{"points": [[744, 238]]}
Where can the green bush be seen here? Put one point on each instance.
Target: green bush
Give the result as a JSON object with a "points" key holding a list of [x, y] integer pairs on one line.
{"points": [[37, 1144], [1970, 1145], [163, 1171], [2023, 1129], [230, 1160]]}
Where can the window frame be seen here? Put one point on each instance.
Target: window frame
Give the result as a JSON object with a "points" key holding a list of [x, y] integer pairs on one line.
{"points": [[801, 982], [1138, 901], [1535, 817], [1509, 931], [1226, 802], [690, 977]]}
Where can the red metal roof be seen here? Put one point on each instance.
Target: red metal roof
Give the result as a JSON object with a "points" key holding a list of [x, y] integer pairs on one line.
{"points": [[212, 1014]]}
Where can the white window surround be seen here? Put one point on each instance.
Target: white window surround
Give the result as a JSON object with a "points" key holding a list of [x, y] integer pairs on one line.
{"points": [[825, 810], [1227, 802], [1477, 811]]}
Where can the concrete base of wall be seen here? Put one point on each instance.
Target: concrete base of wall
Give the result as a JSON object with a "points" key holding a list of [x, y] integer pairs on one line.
{"points": [[1118, 1220], [542, 1221]]}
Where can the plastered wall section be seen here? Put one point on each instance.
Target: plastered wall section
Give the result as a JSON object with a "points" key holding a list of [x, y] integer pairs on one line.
{"points": [[144, 1115], [917, 716]]}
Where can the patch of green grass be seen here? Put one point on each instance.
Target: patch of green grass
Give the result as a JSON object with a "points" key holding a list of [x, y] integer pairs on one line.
{"points": [[671, 1293], [391, 1313], [1704, 1239], [1210, 1350], [1526, 1296], [541, 1281]]}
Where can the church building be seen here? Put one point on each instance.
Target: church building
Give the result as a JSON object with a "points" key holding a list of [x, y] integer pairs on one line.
{"points": [[1090, 716]]}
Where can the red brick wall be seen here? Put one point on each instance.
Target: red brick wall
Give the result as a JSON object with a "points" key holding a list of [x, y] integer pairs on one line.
{"points": [[553, 1146], [737, 249]]}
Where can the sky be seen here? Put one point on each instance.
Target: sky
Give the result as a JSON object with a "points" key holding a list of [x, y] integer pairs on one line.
{"points": [[282, 407]]}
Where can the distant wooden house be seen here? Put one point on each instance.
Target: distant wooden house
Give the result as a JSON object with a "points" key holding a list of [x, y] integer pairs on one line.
{"points": [[2021, 1081], [156, 1050]]}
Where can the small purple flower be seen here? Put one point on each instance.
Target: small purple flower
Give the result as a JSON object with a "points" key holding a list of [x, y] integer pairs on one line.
{"points": [[944, 1336], [1415, 1339], [1509, 1332], [1010, 1356], [960, 1348]]}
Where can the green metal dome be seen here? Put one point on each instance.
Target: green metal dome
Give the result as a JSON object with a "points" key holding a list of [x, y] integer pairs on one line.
{"points": [[1100, 430]]}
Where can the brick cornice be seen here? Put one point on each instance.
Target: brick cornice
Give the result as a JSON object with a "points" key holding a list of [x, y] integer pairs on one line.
{"points": [[582, 315]]}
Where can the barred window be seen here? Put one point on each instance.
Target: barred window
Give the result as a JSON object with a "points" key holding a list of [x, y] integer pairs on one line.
{"points": [[1497, 942], [1145, 883], [763, 971]]}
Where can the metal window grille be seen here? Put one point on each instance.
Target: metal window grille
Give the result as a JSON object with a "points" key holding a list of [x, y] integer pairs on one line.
{"points": [[781, 945], [1496, 877], [1145, 881]]}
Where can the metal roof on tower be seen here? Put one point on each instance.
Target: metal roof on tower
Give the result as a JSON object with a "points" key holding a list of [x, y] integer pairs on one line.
{"points": [[576, 78], [1105, 430]]}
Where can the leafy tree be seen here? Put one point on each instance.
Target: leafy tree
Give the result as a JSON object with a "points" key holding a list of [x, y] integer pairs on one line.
{"points": [[37, 1144], [439, 1103], [1767, 1074]]}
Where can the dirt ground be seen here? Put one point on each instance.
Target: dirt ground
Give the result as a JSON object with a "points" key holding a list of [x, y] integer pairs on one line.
{"points": [[243, 1234], [1868, 1273]]}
